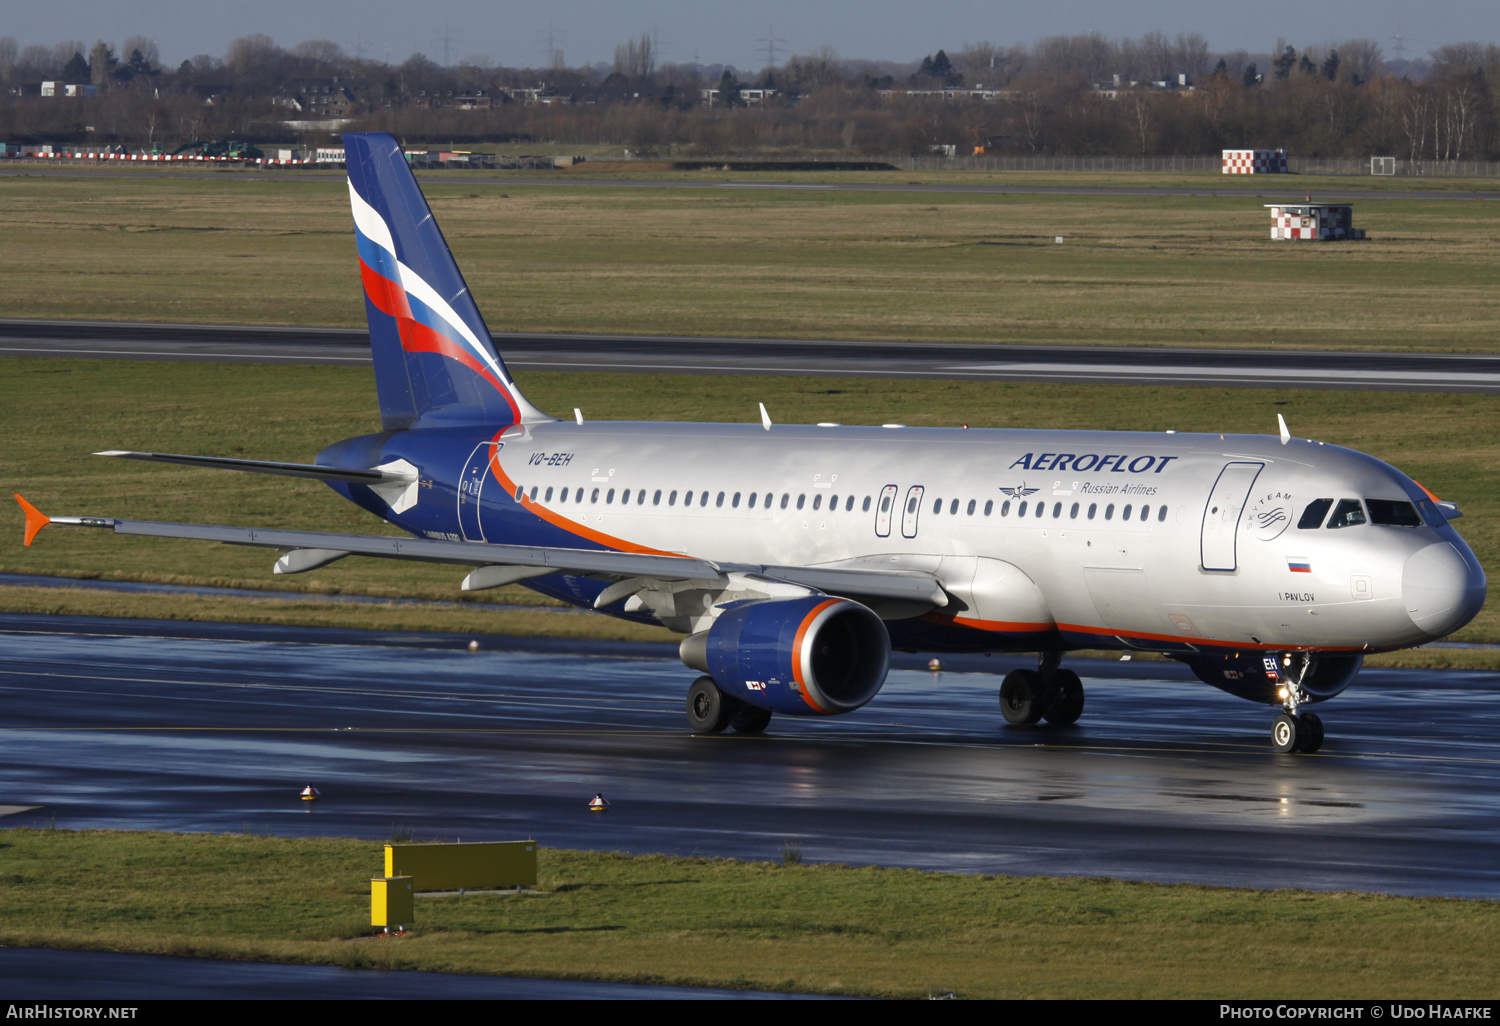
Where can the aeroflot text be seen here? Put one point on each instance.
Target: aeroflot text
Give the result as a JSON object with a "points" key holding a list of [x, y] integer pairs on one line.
{"points": [[1115, 463]]}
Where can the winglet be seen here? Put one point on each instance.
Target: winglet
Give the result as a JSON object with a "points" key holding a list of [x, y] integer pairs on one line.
{"points": [[765, 418], [35, 519], [1286, 436]]}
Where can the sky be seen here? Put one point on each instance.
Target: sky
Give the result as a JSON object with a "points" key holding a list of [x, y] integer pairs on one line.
{"points": [[517, 34]]}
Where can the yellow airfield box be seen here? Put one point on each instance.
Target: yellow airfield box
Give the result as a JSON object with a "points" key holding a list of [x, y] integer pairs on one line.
{"points": [[449, 867], [391, 901]]}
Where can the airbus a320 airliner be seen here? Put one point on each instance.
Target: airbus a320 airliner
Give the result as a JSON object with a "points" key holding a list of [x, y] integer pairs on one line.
{"points": [[794, 558]]}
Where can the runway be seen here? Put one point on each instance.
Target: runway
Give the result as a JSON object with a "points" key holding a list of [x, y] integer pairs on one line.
{"points": [[1284, 189], [205, 727], [637, 354]]}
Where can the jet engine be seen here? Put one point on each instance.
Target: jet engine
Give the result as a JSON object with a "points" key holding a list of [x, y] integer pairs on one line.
{"points": [[1243, 674], [809, 656]]}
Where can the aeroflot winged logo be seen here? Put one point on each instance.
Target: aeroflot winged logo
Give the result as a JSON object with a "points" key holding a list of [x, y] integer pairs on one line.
{"points": [[426, 322], [1016, 493]]}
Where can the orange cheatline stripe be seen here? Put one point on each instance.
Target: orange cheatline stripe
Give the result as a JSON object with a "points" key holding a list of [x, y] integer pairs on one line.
{"points": [[558, 520], [1424, 488], [797, 654], [1003, 626], [35, 519]]}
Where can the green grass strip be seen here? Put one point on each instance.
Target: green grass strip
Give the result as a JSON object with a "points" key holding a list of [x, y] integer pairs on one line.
{"points": [[828, 929]]}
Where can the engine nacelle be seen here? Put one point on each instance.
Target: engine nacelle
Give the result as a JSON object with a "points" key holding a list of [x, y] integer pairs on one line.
{"points": [[812, 656], [1243, 674]]}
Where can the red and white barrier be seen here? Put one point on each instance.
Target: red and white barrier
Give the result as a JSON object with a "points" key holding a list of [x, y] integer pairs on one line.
{"points": [[1254, 162]]}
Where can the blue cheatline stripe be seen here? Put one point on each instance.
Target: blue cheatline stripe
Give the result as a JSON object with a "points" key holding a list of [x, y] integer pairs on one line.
{"points": [[376, 257]]}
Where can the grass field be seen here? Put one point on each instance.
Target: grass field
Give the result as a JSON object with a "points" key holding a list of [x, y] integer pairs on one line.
{"points": [[1157, 270], [756, 925], [57, 412]]}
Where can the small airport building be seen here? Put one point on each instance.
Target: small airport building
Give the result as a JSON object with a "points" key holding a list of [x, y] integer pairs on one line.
{"points": [[1327, 221]]}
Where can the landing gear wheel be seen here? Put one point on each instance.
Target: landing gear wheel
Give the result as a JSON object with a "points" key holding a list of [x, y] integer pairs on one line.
{"points": [[1287, 734], [1067, 698], [747, 719], [1024, 697], [709, 710], [1312, 731]]}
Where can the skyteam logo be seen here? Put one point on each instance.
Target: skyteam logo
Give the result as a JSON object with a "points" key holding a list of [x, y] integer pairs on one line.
{"points": [[425, 321]]}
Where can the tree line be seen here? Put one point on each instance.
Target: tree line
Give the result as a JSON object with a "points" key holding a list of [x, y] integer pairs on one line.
{"points": [[1080, 94]]}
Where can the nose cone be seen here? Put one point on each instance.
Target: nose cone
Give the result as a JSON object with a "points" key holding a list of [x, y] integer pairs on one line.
{"points": [[1443, 588]]}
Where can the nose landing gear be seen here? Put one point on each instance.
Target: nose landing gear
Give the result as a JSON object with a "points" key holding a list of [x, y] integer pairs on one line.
{"points": [[1294, 731]]}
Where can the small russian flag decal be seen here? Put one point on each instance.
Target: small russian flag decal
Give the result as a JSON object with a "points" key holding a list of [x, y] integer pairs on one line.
{"points": [[1298, 566]]}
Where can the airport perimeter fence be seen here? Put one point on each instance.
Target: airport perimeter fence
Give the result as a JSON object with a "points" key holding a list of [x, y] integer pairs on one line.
{"points": [[1206, 162]]}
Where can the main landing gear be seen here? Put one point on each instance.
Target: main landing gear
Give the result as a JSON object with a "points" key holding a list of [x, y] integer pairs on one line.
{"points": [[1046, 693], [1294, 731], [710, 711]]}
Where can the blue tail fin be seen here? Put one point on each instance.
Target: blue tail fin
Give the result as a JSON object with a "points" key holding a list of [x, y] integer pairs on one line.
{"points": [[434, 360]]}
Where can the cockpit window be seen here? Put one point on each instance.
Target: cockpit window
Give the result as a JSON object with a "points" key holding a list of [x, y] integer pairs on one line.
{"points": [[1312, 516], [1348, 513], [1431, 516], [1392, 513]]}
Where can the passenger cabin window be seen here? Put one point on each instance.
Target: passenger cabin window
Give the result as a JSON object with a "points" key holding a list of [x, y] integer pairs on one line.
{"points": [[989, 505], [1348, 513], [656, 499], [672, 499], [817, 501], [610, 496], [735, 502], [1109, 511], [704, 500], [849, 504], [719, 502], [1093, 508], [1125, 514], [801, 499], [1161, 514], [625, 497], [533, 493], [1041, 507], [640, 497], [1312, 516], [1056, 510], [1393, 513], [953, 508], [1145, 513], [1073, 513], [937, 506], [548, 496], [786, 497], [1005, 508], [1021, 510], [969, 510]]}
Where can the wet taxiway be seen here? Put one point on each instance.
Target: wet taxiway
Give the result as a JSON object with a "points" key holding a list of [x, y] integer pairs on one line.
{"points": [[140, 724]]}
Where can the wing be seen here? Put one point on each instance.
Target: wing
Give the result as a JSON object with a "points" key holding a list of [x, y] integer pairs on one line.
{"points": [[494, 565]]}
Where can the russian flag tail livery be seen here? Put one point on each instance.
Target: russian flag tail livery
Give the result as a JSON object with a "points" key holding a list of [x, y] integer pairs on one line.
{"points": [[434, 361]]}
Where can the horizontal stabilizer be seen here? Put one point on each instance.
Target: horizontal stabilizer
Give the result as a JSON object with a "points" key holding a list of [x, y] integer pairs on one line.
{"points": [[312, 470]]}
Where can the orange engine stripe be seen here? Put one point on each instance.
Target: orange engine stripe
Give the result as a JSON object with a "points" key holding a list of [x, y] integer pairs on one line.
{"points": [[797, 653]]}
